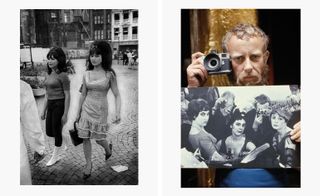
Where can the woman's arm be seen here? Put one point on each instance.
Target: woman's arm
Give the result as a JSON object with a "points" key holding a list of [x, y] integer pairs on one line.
{"points": [[65, 84], [66, 106], [115, 91], [82, 97]]}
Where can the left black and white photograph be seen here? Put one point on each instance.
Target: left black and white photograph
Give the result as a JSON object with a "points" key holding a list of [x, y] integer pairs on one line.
{"points": [[79, 96]]}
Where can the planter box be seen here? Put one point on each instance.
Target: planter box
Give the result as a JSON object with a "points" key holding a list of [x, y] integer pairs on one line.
{"points": [[37, 92]]}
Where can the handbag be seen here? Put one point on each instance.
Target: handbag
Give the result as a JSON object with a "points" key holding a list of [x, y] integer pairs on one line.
{"points": [[76, 140]]}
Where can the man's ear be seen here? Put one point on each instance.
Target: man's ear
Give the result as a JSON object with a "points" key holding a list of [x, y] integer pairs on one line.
{"points": [[266, 56]]}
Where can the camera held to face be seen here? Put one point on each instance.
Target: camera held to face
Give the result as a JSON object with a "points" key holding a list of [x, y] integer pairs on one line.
{"points": [[264, 112], [217, 63]]}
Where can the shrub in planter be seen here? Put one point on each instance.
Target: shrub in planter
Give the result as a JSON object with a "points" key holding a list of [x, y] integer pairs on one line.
{"points": [[33, 81]]}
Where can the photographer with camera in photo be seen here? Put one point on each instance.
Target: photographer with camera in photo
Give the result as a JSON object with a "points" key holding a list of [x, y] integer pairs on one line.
{"points": [[260, 130], [247, 46]]}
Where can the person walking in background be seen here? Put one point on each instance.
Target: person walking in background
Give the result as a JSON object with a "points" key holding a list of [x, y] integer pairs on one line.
{"points": [[30, 132], [129, 56], [93, 106], [57, 100], [125, 58]]}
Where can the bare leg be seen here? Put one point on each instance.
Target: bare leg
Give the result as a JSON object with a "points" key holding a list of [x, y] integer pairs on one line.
{"points": [[105, 145], [87, 155]]}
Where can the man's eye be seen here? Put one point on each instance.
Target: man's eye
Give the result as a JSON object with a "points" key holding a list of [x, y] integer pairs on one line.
{"points": [[238, 59], [254, 57]]}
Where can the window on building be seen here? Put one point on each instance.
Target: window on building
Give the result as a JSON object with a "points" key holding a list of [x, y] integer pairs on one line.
{"points": [[134, 32], [108, 34], [98, 34], [125, 16], [108, 18], [53, 15], [67, 17], [135, 16], [117, 18], [125, 33], [98, 20], [116, 33]]}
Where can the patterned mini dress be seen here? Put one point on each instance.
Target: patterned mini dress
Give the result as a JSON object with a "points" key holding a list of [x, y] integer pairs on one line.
{"points": [[94, 113]]}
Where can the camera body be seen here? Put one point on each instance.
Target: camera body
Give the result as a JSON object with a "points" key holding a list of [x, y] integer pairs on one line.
{"points": [[217, 63], [264, 112]]}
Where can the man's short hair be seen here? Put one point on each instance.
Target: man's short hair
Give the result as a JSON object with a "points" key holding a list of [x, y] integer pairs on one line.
{"points": [[244, 32], [228, 95], [262, 99]]}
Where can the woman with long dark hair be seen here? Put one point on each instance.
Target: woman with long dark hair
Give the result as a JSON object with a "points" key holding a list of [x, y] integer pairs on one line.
{"points": [[57, 99], [93, 109]]}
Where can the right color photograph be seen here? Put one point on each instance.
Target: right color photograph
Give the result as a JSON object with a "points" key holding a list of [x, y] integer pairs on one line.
{"points": [[233, 135]]}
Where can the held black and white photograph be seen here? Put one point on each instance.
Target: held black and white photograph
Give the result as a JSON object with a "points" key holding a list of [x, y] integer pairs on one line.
{"points": [[237, 127], [79, 96], [240, 47]]}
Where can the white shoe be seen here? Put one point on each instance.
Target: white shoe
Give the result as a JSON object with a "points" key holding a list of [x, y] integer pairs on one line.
{"points": [[57, 151]]}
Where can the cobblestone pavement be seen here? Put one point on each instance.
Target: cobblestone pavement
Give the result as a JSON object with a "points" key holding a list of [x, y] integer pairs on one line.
{"points": [[124, 136]]}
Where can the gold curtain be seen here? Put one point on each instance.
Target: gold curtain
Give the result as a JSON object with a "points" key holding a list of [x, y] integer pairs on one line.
{"points": [[207, 28]]}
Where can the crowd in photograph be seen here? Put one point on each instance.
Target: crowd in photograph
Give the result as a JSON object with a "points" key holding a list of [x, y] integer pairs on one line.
{"points": [[221, 134]]}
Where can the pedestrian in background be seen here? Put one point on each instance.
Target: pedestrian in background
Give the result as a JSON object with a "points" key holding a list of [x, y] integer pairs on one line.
{"points": [[57, 100], [93, 106]]}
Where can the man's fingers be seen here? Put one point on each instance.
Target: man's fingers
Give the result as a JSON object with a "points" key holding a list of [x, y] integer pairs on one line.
{"points": [[295, 135], [199, 75], [196, 55], [198, 69], [296, 132], [297, 125]]}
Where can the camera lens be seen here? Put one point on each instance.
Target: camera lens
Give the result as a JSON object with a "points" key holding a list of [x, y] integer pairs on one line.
{"points": [[213, 63]]}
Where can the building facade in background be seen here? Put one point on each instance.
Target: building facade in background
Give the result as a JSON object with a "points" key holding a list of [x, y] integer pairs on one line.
{"points": [[124, 32]]}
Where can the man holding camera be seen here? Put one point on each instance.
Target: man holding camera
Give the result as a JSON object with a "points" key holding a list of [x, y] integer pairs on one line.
{"points": [[247, 47]]}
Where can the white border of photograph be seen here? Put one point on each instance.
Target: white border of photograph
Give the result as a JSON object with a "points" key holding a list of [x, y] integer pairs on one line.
{"points": [[170, 96], [147, 101], [156, 176]]}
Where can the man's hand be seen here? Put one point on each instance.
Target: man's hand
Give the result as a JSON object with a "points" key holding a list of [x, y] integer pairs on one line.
{"points": [[196, 73], [296, 132], [257, 121]]}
